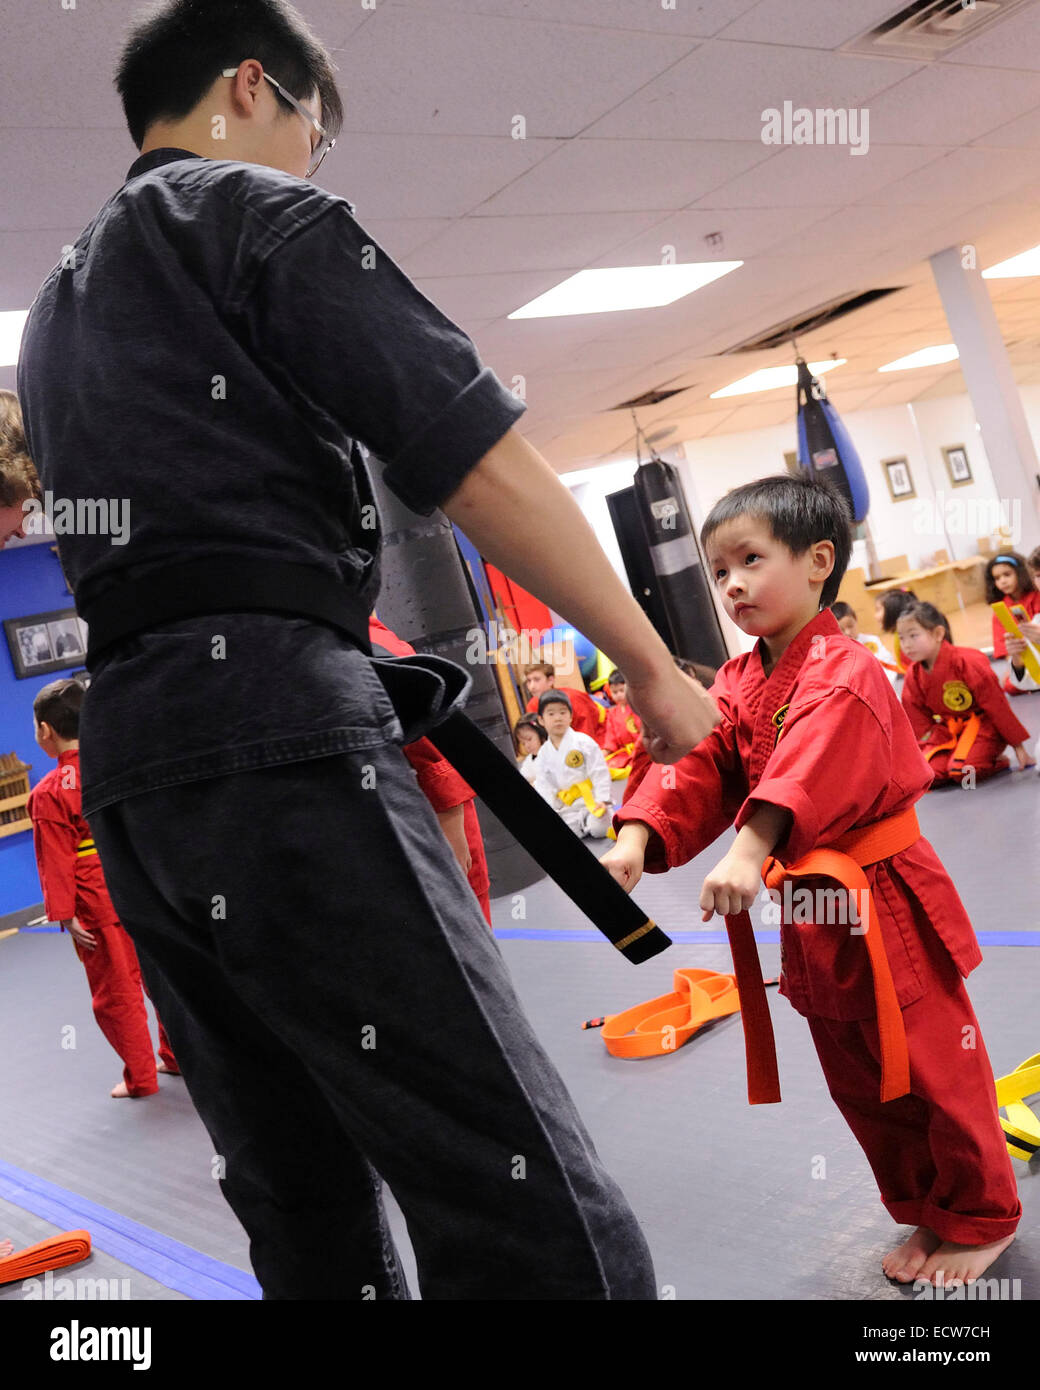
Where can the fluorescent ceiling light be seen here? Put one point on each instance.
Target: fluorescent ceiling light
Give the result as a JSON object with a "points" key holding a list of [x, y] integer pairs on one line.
{"points": [[927, 357], [769, 378], [12, 321], [1028, 263], [625, 287]]}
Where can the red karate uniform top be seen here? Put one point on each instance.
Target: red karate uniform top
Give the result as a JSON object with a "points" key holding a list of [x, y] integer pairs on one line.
{"points": [[1030, 602], [73, 884], [620, 729], [590, 717], [961, 683], [825, 736], [439, 782]]}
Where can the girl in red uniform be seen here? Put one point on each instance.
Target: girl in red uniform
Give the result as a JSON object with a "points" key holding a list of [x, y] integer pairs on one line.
{"points": [[1009, 581], [954, 702], [814, 752], [75, 895]]}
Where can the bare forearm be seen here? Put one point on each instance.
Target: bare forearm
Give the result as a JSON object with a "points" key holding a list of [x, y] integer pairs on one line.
{"points": [[517, 512], [760, 835]]}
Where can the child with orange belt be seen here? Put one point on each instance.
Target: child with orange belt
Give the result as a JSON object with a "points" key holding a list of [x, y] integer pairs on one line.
{"points": [[1009, 581], [815, 753], [621, 730], [74, 894], [954, 702]]}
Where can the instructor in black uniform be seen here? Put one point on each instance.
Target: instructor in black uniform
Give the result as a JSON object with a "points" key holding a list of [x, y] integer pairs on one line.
{"points": [[213, 354]]}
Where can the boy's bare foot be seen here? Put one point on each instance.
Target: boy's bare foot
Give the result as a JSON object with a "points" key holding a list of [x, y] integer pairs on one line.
{"points": [[171, 1071], [119, 1091], [6, 1248], [905, 1261], [962, 1264]]}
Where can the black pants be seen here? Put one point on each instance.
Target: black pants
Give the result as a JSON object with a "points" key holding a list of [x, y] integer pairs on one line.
{"points": [[339, 1010]]}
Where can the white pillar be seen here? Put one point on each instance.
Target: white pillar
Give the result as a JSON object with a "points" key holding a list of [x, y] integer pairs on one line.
{"points": [[994, 393]]}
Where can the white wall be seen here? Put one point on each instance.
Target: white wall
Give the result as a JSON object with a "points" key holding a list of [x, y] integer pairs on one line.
{"points": [[940, 517]]}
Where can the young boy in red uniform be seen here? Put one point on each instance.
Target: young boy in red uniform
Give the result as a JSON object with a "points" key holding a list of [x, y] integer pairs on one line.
{"points": [[620, 729], [954, 702], [815, 752], [590, 717], [75, 895], [452, 798]]}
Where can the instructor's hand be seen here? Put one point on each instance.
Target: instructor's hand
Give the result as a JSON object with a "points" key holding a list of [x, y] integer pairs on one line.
{"points": [[677, 712]]}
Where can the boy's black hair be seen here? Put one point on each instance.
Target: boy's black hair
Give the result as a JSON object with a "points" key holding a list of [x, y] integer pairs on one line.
{"points": [[528, 721], [842, 610], [1018, 564], [705, 674], [616, 677], [58, 705], [1033, 560], [177, 49], [926, 615], [892, 604], [799, 511], [554, 697]]}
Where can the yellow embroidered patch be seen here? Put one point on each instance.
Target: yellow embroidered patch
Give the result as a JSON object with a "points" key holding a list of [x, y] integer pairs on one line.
{"points": [[956, 695]]}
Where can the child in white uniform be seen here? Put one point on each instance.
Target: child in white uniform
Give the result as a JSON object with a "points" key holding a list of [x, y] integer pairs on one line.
{"points": [[567, 760], [849, 624]]}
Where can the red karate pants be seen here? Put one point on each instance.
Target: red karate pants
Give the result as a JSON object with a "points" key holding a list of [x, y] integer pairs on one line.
{"points": [[939, 1154], [116, 988]]}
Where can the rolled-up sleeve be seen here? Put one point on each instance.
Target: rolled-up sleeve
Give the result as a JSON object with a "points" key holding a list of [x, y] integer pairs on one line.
{"points": [[339, 322]]}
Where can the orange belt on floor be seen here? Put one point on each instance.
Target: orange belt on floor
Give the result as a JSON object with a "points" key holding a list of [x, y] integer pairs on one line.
{"points": [[53, 1253], [665, 1023], [963, 733], [844, 861]]}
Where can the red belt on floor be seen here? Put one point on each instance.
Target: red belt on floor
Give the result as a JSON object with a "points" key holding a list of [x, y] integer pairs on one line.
{"points": [[844, 861]]}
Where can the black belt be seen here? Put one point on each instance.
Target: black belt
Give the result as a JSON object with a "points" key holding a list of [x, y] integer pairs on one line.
{"points": [[426, 692], [194, 588]]}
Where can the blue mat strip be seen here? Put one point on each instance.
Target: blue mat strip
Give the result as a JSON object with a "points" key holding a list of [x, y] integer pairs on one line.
{"points": [[719, 938], [162, 1258]]}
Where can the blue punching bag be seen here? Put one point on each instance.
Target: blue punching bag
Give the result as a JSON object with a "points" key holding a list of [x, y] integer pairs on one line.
{"points": [[825, 450]]}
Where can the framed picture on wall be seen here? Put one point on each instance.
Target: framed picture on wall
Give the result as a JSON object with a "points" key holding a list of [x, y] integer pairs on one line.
{"points": [[955, 457], [899, 478], [46, 642]]}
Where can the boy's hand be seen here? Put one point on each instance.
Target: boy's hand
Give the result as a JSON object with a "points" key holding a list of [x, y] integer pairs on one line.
{"points": [[1015, 646], [1022, 754], [80, 935], [454, 826], [1030, 631], [732, 885], [677, 713], [624, 862]]}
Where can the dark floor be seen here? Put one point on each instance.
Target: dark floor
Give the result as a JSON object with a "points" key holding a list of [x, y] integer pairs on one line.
{"points": [[730, 1197]]}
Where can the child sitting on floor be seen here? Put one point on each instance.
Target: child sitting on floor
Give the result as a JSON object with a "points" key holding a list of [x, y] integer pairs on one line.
{"points": [[75, 895], [528, 736], [815, 752], [572, 774], [849, 624], [954, 702], [622, 728]]}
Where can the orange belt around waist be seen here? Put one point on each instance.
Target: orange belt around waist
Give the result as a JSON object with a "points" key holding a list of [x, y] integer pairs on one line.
{"points": [[963, 733], [844, 861]]}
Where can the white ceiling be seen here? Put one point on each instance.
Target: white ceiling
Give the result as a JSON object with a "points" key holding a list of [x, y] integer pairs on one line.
{"points": [[642, 131]]}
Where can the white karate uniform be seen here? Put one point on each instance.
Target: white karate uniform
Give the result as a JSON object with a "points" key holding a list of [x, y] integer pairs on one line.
{"points": [[554, 773], [529, 767], [875, 645]]}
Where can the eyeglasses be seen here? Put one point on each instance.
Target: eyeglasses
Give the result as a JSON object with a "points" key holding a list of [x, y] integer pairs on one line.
{"points": [[324, 144]]}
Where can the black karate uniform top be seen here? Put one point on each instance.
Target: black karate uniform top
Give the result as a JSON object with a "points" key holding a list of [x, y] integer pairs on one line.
{"points": [[211, 354]]}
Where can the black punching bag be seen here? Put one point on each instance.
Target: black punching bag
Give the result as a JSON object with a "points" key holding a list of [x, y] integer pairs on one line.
{"points": [[682, 586], [424, 598]]}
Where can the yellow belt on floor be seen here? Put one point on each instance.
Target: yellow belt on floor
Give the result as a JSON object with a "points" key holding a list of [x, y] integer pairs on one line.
{"points": [[85, 847], [1021, 1128]]}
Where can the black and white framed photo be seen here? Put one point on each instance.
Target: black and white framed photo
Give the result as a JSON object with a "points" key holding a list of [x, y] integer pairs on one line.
{"points": [[955, 457], [899, 478], [46, 642]]}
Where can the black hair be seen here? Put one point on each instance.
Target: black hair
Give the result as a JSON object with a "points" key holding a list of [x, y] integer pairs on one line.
{"points": [[799, 511], [842, 610], [705, 674], [554, 697], [1018, 564], [177, 49], [926, 615], [892, 604], [528, 721], [58, 705]]}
